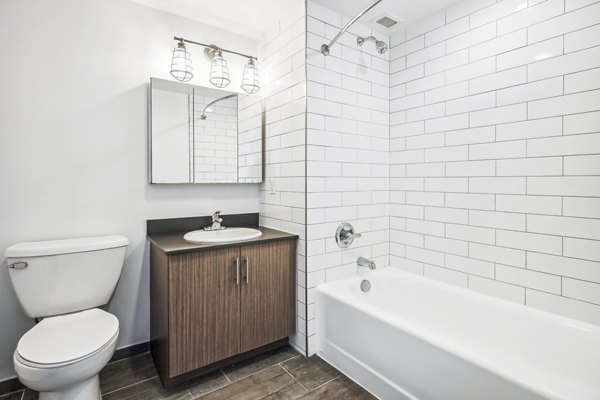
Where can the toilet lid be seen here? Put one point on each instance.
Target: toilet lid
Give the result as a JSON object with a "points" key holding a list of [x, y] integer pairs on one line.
{"points": [[68, 337]]}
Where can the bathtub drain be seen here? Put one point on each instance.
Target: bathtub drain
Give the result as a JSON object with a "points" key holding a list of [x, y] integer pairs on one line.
{"points": [[365, 285]]}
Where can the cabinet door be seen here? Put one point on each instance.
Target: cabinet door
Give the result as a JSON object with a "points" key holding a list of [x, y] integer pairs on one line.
{"points": [[204, 309], [268, 293]]}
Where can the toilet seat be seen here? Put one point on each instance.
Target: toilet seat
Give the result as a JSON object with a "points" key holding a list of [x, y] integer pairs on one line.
{"points": [[66, 339]]}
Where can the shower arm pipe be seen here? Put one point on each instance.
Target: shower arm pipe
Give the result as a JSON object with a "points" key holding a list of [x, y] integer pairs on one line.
{"points": [[212, 46], [325, 47], [218, 100]]}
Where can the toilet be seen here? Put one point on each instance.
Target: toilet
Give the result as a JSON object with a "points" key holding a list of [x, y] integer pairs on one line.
{"points": [[61, 283]]}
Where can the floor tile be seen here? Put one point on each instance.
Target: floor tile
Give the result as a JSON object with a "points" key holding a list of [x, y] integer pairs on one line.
{"points": [[30, 395], [12, 396], [207, 383], [341, 388], [281, 374], [10, 386], [310, 372], [150, 389], [122, 373], [248, 367], [271, 383]]}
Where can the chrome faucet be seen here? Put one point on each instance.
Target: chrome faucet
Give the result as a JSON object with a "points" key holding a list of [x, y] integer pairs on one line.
{"points": [[216, 222], [365, 262]]}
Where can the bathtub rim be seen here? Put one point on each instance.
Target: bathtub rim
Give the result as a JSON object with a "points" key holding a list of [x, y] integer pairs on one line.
{"points": [[449, 345]]}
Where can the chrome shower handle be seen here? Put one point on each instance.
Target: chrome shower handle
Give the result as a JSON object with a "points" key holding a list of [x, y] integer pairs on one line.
{"points": [[345, 235]]}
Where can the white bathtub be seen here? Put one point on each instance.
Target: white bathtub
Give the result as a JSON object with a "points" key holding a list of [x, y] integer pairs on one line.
{"points": [[415, 338]]}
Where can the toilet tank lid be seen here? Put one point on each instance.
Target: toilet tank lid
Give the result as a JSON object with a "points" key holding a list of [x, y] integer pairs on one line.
{"points": [[65, 246]]}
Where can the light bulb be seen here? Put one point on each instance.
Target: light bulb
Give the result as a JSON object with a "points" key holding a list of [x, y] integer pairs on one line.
{"points": [[219, 72], [181, 63], [250, 81]]}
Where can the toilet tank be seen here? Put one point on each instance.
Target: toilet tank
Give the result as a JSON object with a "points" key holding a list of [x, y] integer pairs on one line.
{"points": [[62, 276]]}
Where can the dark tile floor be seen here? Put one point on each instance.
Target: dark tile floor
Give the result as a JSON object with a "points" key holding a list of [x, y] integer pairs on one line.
{"points": [[277, 375]]}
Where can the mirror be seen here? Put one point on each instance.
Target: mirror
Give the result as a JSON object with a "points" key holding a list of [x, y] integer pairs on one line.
{"points": [[203, 135]]}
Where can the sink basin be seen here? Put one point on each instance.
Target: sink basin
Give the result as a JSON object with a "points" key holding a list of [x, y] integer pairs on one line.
{"points": [[222, 236]]}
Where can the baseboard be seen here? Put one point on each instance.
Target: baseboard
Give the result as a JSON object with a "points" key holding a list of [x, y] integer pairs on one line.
{"points": [[11, 385], [130, 351]]}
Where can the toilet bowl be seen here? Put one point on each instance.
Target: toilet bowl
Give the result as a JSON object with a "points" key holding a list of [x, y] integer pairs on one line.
{"points": [[62, 282], [61, 356]]}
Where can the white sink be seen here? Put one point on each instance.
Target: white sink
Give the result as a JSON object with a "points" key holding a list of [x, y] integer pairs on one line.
{"points": [[222, 236]]}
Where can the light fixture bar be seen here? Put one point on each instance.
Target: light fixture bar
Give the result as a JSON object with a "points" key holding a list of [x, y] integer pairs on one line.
{"points": [[180, 39]]}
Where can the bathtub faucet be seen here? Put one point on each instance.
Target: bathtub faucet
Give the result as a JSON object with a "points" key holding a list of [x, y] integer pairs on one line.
{"points": [[365, 262]]}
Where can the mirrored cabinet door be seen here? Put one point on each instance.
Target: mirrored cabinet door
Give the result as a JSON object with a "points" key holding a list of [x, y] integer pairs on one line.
{"points": [[203, 135]]}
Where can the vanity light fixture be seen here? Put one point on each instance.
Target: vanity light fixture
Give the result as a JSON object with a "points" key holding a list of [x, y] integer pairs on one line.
{"points": [[181, 63], [250, 83], [181, 66], [219, 71]]}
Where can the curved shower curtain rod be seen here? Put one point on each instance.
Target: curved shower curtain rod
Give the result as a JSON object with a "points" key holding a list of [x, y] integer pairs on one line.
{"points": [[203, 116], [325, 47]]}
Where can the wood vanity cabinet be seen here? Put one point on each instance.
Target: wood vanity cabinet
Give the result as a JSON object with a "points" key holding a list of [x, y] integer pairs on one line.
{"points": [[213, 307]]}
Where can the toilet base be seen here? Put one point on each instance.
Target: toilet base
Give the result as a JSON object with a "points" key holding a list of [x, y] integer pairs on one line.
{"points": [[86, 390]]}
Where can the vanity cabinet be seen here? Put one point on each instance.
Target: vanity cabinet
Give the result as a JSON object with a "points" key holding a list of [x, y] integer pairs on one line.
{"points": [[215, 306]]}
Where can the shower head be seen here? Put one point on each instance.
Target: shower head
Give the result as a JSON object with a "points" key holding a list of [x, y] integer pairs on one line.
{"points": [[379, 45]]}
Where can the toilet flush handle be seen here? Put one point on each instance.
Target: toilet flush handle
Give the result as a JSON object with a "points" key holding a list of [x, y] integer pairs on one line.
{"points": [[18, 265]]}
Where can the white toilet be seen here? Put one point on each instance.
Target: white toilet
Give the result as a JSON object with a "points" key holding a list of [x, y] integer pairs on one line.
{"points": [[62, 282]]}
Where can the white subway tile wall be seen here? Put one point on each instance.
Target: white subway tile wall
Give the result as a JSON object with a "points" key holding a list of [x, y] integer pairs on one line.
{"points": [[249, 139], [215, 140], [495, 151], [282, 206], [347, 148]]}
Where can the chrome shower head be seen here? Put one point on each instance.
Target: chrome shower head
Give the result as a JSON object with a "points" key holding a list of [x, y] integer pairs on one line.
{"points": [[379, 45]]}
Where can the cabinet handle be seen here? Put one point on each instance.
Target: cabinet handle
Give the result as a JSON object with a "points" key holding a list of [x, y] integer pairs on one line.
{"points": [[237, 270], [247, 260]]}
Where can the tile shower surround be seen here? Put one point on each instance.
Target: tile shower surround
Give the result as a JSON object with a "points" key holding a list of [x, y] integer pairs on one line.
{"points": [[495, 151], [469, 153], [347, 142], [282, 193]]}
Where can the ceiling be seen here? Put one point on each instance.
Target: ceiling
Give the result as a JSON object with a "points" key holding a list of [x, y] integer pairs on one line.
{"points": [[255, 17], [403, 11], [251, 18]]}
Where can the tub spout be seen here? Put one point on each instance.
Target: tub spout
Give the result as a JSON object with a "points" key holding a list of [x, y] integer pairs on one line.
{"points": [[365, 262]]}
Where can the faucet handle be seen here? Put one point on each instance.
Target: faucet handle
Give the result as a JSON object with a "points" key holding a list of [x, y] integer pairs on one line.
{"points": [[345, 235], [216, 217]]}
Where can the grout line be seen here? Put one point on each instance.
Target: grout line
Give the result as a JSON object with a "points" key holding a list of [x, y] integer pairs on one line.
{"points": [[295, 380], [324, 384], [210, 391], [227, 377], [130, 385]]}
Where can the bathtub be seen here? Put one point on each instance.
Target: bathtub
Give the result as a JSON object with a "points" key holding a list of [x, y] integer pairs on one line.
{"points": [[411, 337]]}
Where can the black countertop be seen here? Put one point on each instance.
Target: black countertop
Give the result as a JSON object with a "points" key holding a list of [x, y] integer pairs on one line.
{"points": [[168, 234]]}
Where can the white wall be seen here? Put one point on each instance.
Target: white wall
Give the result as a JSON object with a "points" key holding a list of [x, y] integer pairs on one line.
{"points": [[73, 126], [495, 151], [347, 150], [282, 194]]}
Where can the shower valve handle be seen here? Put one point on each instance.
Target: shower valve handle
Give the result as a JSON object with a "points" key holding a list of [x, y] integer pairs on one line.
{"points": [[345, 235]]}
